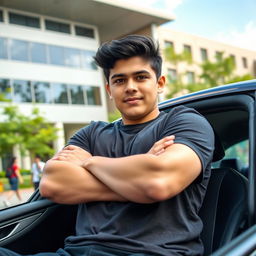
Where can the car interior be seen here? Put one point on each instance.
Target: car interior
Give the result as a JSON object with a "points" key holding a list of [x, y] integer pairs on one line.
{"points": [[224, 211]]}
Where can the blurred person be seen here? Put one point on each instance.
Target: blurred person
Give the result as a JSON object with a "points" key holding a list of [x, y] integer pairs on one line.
{"points": [[37, 170], [14, 179], [139, 181]]}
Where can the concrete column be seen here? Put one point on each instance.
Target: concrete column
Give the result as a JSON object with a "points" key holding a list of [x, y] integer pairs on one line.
{"points": [[59, 143]]}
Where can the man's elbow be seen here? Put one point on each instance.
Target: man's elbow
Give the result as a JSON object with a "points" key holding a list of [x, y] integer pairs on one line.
{"points": [[159, 190]]}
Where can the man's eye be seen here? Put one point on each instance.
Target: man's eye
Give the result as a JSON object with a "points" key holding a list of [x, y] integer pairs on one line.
{"points": [[119, 81], [141, 77]]}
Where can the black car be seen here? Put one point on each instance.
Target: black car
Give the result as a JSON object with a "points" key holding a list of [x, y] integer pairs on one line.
{"points": [[229, 209]]}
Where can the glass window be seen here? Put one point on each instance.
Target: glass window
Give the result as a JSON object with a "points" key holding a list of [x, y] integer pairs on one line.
{"points": [[187, 51], [42, 92], [1, 16], [172, 75], [56, 55], [72, 57], [204, 55], [244, 60], [24, 20], [219, 56], [77, 94], [239, 151], [57, 26], [5, 90], [3, 48], [22, 91], [87, 60], [233, 57], [190, 77], [38, 53], [60, 93], [82, 31], [19, 50], [93, 95], [168, 44]]}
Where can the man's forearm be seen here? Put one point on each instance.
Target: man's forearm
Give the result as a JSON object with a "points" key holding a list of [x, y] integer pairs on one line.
{"points": [[129, 176], [67, 183]]}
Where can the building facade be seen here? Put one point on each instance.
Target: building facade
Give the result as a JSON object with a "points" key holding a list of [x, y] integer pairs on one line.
{"points": [[201, 49]]}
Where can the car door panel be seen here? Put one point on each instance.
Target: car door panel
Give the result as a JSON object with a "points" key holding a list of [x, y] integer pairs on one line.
{"points": [[36, 226]]}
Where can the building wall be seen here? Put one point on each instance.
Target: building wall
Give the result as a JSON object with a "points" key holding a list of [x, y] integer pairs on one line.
{"points": [[68, 116], [179, 39]]}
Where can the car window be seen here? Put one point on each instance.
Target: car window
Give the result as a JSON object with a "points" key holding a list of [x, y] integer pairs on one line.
{"points": [[238, 152]]}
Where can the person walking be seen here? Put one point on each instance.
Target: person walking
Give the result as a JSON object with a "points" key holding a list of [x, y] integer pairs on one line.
{"points": [[37, 170], [14, 179]]}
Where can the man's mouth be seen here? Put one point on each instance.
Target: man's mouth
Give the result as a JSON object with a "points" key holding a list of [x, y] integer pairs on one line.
{"points": [[132, 100]]}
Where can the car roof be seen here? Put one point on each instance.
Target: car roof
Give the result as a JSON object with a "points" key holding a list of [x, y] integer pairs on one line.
{"points": [[238, 87]]}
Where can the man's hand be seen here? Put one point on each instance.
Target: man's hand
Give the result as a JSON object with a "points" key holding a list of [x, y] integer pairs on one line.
{"points": [[160, 146], [72, 154]]}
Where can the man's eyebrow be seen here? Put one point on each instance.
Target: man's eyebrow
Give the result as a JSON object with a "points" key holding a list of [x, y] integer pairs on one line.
{"points": [[134, 73]]}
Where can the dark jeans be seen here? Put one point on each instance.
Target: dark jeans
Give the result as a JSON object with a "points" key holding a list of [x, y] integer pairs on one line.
{"points": [[90, 250]]}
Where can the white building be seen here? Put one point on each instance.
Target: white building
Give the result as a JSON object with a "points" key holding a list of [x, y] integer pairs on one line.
{"points": [[46, 50], [202, 49]]}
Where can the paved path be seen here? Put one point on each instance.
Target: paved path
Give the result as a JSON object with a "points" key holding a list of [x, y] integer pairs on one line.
{"points": [[25, 194]]}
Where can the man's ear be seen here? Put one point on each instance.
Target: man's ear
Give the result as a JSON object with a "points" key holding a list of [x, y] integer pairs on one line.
{"points": [[107, 86], [161, 84]]}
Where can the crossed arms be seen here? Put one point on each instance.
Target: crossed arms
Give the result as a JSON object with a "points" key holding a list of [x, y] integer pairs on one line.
{"points": [[75, 176]]}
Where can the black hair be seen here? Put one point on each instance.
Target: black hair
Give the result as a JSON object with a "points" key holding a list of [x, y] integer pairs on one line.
{"points": [[127, 47], [11, 162]]}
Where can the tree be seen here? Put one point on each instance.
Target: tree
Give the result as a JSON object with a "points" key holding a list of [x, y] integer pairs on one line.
{"points": [[30, 133], [221, 71], [176, 84]]}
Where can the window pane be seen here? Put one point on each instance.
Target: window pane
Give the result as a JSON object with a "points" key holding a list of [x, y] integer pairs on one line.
{"points": [[172, 75], [22, 91], [3, 48], [38, 53], [82, 31], [72, 57], [168, 44], [24, 20], [204, 55], [190, 77], [42, 92], [5, 90], [244, 62], [77, 95], [19, 50], [57, 26], [1, 16], [60, 93], [87, 60], [93, 95], [56, 55]]}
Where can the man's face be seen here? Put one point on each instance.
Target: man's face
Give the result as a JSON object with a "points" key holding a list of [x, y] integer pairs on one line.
{"points": [[134, 88]]}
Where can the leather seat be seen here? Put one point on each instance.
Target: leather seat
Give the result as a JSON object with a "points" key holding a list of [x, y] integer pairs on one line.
{"points": [[224, 208]]}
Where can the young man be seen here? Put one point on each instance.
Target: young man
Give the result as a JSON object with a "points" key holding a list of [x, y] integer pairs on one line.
{"points": [[139, 181]]}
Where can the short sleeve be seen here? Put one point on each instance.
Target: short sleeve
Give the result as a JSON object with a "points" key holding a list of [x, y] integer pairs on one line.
{"points": [[81, 138], [193, 130]]}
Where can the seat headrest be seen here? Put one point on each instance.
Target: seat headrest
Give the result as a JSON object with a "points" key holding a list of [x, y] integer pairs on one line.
{"points": [[232, 162], [219, 151]]}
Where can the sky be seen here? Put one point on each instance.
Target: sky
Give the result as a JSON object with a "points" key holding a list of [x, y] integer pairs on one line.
{"points": [[228, 21]]}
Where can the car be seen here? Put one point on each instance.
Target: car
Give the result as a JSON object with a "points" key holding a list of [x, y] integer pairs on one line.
{"points": [[229, 208]]}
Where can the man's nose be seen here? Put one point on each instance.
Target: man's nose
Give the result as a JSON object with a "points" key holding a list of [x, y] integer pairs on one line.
{"points": [[131, 86]]}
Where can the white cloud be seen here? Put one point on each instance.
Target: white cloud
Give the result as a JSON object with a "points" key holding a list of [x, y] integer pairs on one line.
{"points": [[244, 39]]}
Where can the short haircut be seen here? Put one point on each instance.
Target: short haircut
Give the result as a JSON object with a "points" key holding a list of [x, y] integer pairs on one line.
{"points": [[127, 47]]}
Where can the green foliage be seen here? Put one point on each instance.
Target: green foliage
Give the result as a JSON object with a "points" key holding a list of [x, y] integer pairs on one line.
{"points": [[32, 133], [221, 71], [114, 116]]}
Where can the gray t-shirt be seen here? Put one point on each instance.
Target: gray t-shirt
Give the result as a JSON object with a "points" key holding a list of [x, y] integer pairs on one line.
{"points": [[170, 227]]}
